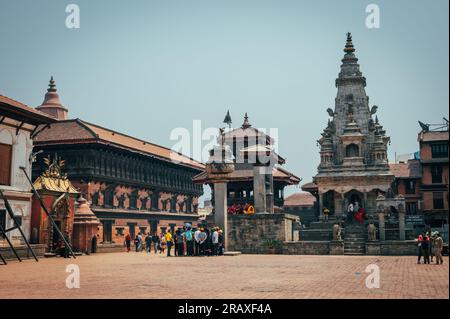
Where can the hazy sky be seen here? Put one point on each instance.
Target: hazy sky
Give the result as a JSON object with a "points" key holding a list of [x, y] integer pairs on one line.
{"points": [[146, 67]]}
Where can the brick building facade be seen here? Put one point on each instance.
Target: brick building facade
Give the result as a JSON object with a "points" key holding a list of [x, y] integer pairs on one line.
{"points": [[434, 183], [132, 185]]}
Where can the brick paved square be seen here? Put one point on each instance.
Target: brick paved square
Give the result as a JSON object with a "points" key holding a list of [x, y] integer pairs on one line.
{"points": [[138, 275]]}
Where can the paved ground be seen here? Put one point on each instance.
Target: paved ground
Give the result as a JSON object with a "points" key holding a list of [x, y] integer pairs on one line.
{"points": [[137, 275]]}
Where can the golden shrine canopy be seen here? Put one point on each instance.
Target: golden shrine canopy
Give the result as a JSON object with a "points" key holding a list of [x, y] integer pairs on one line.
{"points": [[53, 180]]}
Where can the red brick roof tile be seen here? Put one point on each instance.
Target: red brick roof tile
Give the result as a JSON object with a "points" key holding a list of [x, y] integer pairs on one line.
{"points": [[300, 199]]}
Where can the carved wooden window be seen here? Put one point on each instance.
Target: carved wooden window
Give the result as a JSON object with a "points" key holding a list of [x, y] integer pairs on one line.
{"points": [[2, 219], [109, 196], [133, 199], [119, 231], [436, 174], [439, 150], [95, 197], [5, 166], [144, 201], [438, 200]]}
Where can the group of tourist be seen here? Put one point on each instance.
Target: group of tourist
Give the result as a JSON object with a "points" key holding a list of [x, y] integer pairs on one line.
{"points": [[430, 246], [355, 212], [186, 241]]}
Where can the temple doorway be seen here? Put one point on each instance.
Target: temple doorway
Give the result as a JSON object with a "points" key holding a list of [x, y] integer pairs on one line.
{"points": [[354, 197], [328, 202]]}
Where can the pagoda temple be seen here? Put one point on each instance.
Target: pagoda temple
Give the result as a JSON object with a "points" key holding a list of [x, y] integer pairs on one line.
{"points": [[353, 147], [245, 141]]}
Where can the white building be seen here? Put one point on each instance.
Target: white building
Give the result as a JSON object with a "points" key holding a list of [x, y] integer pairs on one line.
{"points": [[18, 124]]}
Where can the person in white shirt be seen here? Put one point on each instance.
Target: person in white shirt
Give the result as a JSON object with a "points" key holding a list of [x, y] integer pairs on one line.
{"points": [[215, 242], [350, 211], [197, 242]]}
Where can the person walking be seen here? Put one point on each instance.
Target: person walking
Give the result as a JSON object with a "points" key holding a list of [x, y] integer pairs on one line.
{"points": [[215, 242], [155, 242], [438, 245], [138, 242], [197, 242], [325, 213], [148, 243], [425, 250], [94, 244], [189, 238], [127, 242], [169, 241], [419, 247]]}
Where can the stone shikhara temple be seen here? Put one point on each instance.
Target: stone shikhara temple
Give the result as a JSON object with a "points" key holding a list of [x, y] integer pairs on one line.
{"points": [[353, 169], [353, 147]]}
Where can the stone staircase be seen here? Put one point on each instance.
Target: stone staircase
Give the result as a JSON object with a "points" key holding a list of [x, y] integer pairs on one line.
{"points": [[355, 240], [317, 231]]}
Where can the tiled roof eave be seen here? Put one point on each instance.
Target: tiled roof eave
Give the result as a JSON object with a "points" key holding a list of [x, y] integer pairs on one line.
{"points": [[108, 143], [162, 158]]}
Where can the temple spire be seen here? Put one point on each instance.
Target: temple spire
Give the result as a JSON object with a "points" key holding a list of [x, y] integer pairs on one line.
{"points": [[227, 119], [350, 66], [349, 48], [52, 104], [51, 85], [246, 123]]}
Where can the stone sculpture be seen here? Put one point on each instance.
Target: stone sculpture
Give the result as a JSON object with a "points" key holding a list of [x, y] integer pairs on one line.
{"points": [[372, 232], [337, 232]]}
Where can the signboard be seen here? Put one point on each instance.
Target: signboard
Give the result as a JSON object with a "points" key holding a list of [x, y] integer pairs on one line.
{"points": [[414, 219]]}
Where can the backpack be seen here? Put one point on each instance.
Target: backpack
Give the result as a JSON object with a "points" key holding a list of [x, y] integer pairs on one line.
{"points": [[188, 235]]}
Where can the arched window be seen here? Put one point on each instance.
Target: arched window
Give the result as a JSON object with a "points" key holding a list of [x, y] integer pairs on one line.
{"points": [[352, 150]]}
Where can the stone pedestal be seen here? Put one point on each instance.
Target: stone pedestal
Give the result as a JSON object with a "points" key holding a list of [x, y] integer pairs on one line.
{"points": [[259, 188], [220, 210], [336, 247], [373, 248]]}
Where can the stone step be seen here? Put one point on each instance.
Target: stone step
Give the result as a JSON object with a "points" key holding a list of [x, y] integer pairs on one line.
{"points": [[357, 250], [353, 254], [315, 234], [354, 236], [354, 232], [321, 225], [360, 242]]}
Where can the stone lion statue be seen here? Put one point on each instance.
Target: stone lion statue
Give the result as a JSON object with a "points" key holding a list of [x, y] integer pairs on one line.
{"points": [[337, 232], [372, 232]]}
